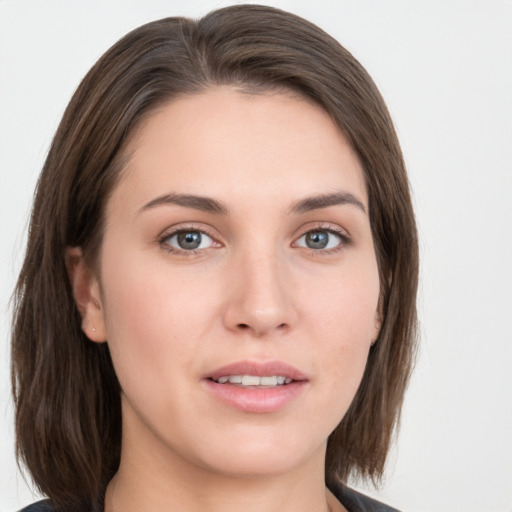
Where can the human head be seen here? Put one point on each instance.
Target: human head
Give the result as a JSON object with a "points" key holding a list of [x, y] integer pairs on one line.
{"points": [[253, 48]]}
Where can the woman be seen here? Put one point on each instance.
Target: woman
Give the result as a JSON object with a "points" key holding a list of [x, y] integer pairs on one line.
{"points": [[217, 305]]}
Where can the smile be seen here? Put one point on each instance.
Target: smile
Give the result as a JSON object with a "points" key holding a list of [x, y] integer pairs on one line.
{"points": [[254, 380], [256, 387]]}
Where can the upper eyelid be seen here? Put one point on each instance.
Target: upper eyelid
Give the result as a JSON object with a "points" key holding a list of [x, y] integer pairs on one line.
{"points": [[343, 239], [321, 226], [173, 230]]}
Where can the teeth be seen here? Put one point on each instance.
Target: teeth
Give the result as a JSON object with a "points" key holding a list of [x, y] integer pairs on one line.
{"points": [[253, 380], [250, 380]]}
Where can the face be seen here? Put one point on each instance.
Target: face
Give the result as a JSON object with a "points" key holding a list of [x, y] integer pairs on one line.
{"points": [[238, 285]]}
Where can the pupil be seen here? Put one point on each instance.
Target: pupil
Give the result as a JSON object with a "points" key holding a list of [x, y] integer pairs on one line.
{"points": [[317, 239], [189, 239]]}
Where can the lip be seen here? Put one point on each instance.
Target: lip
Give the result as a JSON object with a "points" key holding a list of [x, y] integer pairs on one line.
{"points": [[256, 400]]}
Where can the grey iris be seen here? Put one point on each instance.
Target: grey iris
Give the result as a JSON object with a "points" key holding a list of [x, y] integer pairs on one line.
{"points": [[189, 239], [317, 239]]}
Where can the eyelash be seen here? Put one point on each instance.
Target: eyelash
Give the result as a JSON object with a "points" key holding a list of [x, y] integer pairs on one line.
{"points": [[344, 240]]}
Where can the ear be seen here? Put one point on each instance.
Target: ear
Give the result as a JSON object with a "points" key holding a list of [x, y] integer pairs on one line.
{"points": [[86, 292], [377, 326]]}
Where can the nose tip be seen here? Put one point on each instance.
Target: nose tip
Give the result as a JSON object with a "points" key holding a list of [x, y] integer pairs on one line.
{"points": [[260, 301]]}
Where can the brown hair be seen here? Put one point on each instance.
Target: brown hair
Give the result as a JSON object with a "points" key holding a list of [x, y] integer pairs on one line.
{"points": [[68, 418]]}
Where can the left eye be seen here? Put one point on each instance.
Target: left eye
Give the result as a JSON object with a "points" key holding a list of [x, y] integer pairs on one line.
{"points": [[319, 239], [189, 240]]}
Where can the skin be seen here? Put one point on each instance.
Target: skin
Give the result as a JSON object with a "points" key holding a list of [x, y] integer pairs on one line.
{"points": [[253, 291]]}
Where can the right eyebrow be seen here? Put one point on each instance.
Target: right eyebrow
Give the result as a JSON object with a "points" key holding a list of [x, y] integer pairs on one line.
{"points": [[202, 203]]}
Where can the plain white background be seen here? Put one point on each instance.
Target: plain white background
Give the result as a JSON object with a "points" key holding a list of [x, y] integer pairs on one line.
{"points": [[445, 70]]}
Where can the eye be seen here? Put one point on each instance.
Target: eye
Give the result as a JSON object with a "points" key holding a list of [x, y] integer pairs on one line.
{"points": [[320, 239], [188, 240]]}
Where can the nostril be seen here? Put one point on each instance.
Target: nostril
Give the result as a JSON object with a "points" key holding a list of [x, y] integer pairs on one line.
{"points": [[246, 327]]}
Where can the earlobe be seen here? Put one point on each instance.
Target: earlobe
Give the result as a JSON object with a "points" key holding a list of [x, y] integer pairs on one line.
{"points": [[86, 292]]}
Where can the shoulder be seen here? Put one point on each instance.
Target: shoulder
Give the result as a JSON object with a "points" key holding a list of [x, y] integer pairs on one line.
{"points": [[40, 506], [46, 506], [354, 501]]}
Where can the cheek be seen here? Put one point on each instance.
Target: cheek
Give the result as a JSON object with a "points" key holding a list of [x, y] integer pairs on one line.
{"points": [[157, 316], [345, 304], [341, 319]]}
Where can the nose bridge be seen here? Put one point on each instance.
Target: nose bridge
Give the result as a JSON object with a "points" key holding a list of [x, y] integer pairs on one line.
{"points": [[261, 300]]}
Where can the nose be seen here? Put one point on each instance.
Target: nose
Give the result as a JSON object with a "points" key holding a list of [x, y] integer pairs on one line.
{"points": [[260, 301]]}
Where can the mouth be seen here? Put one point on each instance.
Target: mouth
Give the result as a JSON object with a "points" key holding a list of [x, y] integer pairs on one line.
{"points": [[254, 381], [256, 387]]}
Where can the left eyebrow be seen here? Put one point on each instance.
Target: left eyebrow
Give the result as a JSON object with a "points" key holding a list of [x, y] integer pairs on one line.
{"points": [[320, 201]]}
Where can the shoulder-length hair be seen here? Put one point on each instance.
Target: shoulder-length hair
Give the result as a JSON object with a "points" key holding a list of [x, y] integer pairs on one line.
{"points": [[67, 397]]}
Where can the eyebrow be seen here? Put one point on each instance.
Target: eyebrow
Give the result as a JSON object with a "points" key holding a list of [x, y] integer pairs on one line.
{"points": [[205, 204], [210, 205], [320, 201]]}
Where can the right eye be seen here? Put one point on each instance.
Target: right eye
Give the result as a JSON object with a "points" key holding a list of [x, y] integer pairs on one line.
{"points": [[187, 240]]}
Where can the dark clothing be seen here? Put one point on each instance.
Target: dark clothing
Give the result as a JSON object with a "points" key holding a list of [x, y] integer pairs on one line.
{"points": [[352, 500], [40, 506]]}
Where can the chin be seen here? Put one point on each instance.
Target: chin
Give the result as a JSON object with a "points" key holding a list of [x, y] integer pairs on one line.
{"points": [[256, 466], [260, 456]]}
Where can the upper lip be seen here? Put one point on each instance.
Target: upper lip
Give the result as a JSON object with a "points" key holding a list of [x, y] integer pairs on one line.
{"points": [[259, 369]]}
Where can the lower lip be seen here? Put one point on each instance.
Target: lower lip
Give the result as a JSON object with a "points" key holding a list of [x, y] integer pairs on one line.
{"points": [[256, 400]]}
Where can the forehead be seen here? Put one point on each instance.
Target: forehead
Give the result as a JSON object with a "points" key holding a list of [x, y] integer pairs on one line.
{"points": [[238, 146]]}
